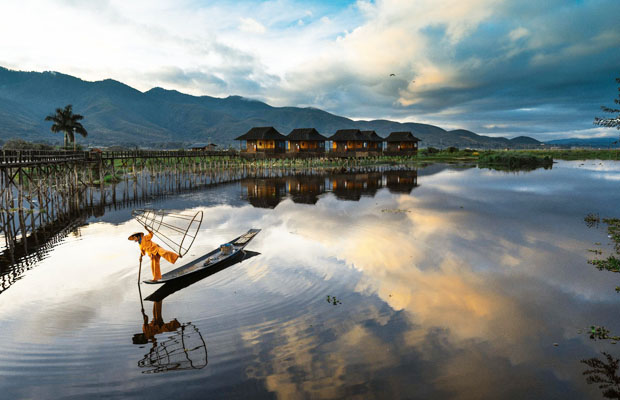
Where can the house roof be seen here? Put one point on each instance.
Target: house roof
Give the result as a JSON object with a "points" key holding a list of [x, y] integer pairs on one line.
{"points": [[402, 137], [372, 136], [347, 134], [305, 134], [262, 133]]}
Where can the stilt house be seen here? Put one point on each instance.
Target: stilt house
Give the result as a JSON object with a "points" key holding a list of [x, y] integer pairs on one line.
{"points": [[262, 140], [305, 140], [346, 140], [374, 142], [402, 143]]}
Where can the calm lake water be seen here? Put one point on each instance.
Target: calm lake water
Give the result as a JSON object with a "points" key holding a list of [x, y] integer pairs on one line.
{"points": [[445, 282]]}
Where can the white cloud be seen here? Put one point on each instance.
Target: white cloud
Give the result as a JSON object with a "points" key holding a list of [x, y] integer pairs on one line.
{"points": [[251, 26], [518, 33], [446, 55]]}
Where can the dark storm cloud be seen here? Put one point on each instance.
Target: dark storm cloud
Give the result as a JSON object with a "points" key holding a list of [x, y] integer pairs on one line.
{"points": [[532, 67]]}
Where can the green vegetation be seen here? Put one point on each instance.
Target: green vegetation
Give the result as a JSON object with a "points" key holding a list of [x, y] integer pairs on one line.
{"points": [[515, 160], [592, 220], [579, 154], [333, 300], [432, 154], [610, 263], [19, 144]]}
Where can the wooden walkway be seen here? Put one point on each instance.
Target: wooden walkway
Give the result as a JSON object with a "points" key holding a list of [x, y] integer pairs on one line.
{"points": [[22, 158]]}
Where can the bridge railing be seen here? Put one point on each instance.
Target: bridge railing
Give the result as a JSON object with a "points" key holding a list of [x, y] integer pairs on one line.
{"points": [[10, 158], [160, 153], [23, 157]]}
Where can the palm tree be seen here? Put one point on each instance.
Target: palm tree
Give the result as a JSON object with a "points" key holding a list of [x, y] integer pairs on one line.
{"points": [[67, 122]]}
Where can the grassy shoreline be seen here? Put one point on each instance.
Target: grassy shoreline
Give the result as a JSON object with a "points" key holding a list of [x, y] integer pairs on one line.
{"points": [[567, 155], [494, 159]]}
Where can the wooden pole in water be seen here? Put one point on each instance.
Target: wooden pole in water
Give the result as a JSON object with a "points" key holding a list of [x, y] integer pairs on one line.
{"points": [[139, 271]]}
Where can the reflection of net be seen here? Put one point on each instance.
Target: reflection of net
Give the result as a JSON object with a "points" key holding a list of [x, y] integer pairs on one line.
{"points": [[184, 349], [176, 230]]}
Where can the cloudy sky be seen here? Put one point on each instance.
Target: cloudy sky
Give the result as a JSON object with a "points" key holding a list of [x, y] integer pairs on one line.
{"points": [[499, 67]]}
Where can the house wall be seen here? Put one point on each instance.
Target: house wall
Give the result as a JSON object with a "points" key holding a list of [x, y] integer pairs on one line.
{"points": [[355, 144], [269, 146], [402, 146], [295, 146]]}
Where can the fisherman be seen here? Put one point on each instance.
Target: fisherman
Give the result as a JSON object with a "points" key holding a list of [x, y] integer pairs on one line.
{"points": [[154, 251], [155, 327]]}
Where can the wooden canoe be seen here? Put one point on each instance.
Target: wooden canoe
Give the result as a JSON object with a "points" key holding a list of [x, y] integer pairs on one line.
{"points": [[209, 260]]}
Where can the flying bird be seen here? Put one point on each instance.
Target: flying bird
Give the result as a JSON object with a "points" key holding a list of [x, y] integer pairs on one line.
{"points": [[392, 74]]}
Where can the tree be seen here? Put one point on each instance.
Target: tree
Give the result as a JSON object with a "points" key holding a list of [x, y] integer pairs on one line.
{"points": [[613, 122], [67, 122], [20, 144]]}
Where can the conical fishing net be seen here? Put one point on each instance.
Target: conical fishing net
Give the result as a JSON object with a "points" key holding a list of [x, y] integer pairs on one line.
{"points": [[176, 230], [182, 350]]}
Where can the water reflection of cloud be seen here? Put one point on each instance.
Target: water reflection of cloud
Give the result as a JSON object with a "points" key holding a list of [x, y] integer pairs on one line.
{"points": [[435, 296], [492, 295]]}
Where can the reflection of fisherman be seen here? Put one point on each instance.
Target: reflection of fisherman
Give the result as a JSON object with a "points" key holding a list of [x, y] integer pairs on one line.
{"points": [[155, 327], [154, 251]]}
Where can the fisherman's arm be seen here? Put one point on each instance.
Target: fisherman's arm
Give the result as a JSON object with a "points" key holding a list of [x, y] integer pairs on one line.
{"points": [[150, 235]]}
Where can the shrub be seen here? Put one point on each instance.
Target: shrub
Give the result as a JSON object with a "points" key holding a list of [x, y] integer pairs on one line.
{"points": [[514, 160], [20, 144], [430, 150]]}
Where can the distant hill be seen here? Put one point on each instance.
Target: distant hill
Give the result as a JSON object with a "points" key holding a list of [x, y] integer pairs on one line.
{"points": [[118, 114], [604, 142]]}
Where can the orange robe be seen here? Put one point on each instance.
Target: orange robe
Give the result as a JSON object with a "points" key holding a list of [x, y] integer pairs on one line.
{"points": [[155, 252], [157, 325]]}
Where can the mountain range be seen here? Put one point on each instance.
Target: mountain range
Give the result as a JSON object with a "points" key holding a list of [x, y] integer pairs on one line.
{"points": [[600, 142], [115, 113]]}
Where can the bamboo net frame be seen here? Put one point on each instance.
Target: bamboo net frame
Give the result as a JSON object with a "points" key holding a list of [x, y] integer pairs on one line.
{"points": [[176, 230], [182, 350]]}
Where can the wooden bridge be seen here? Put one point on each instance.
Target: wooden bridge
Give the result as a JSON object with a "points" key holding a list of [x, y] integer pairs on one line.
{"points": [[46, 195], [38, 187], [22, 158]]}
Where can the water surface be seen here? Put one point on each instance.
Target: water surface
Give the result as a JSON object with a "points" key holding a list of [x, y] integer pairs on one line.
{"points": [[444, 282]]}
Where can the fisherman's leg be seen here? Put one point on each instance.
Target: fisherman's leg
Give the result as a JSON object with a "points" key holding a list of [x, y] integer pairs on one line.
{"points": [[170, 256], [157, 312], [155, 267]]}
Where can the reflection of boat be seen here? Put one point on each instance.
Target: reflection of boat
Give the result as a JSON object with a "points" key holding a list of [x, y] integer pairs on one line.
{"points": [[224, 253]]}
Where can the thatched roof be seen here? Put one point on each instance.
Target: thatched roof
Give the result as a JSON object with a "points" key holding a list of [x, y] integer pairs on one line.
{"points": [[402, 137], [372, 136], [305, 134], [347, 134], [262, 133]]}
